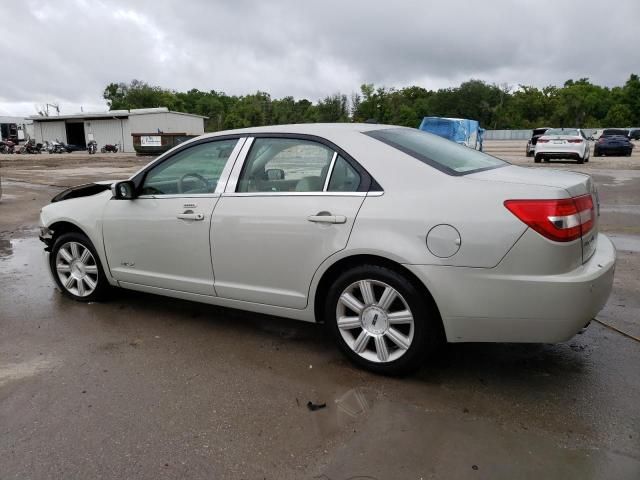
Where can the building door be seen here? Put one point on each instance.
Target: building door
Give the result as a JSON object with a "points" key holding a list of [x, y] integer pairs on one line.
{"points": [[75, 134]]}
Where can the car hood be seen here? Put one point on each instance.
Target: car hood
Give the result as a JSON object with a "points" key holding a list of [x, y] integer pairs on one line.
{"points": [[574, 183], [84, 190]]}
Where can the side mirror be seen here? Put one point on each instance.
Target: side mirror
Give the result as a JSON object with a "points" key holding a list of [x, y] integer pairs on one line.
{"points": [[124, 190], [274, 174]]}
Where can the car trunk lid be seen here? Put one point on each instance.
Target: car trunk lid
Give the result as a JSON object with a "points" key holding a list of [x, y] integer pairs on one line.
{"points": [[570, 184]]}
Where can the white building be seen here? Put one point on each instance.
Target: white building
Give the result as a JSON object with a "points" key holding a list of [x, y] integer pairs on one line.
{"points": [[115, 126]]}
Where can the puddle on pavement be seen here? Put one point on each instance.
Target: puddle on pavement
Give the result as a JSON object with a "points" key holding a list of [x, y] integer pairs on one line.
{"points": [[19, 252], [347, 409], [17, 371], [627, 209], [446, 445], [627, 243]]}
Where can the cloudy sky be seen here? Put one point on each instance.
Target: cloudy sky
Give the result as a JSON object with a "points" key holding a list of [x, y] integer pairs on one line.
{"points": [[67, 51]]}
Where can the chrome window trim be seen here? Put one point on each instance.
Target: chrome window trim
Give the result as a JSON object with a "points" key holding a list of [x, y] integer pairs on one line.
{"points": [[179, 195], [330, 171], [295, 194], [232, 182]]}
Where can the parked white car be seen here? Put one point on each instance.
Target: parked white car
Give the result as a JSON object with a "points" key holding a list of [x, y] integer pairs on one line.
{"points": [[394, 237], [569, 143]]}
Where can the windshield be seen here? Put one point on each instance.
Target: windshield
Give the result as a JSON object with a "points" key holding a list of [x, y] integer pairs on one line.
{"points": [[438, 152], [608, 132], [563, 131]]}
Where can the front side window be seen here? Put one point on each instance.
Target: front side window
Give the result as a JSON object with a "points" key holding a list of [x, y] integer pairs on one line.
{"points": [[436, 151], [195, 170], [285, 165]]}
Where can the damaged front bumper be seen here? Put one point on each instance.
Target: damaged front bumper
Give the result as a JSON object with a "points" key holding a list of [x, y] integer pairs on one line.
{"points": [[46, 237]]}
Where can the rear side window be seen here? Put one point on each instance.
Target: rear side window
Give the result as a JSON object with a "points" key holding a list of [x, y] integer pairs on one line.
{"points": [[344, 177], [438, 152]]}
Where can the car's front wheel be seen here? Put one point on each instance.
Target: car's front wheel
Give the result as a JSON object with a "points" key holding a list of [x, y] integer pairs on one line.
{"points": [[381, 321], [76, 268]]}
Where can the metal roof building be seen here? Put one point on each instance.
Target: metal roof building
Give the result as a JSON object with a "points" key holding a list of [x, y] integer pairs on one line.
{"points": [[115, 126]]}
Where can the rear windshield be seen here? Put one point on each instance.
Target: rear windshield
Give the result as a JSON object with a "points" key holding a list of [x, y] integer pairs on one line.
{"points": [[436, 151], [608, 132], [563, 131]]}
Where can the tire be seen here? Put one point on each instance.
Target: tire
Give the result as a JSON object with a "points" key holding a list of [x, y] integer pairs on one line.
{"points": [[103, 150], [537, 159], [580, 159], [78, 274], [379, 346]]}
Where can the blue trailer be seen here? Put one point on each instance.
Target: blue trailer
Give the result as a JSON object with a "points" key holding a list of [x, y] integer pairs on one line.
{"points": [[460, 130]]}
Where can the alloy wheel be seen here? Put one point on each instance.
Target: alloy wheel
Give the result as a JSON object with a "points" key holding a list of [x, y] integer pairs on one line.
{"points": [[375, 321], [77, 269]]}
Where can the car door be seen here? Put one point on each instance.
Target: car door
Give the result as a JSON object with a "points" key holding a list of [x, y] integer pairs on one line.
{"points": [[161, 237], [289, 206]]}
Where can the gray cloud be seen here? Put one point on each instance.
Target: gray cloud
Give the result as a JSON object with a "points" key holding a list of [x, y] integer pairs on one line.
{"points": [[69, 50]]}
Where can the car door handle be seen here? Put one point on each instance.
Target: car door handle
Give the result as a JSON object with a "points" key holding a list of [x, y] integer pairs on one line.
{"points": [[196, 217], [327, 219]]}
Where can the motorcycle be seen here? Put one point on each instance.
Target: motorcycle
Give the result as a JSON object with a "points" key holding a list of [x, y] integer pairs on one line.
{"points": [[31, 147], [7, 146], [92, 147], [108, 148], [56, 147]]}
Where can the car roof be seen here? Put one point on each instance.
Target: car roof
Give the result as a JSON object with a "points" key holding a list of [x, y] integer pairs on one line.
{"points": [[320, 129]]}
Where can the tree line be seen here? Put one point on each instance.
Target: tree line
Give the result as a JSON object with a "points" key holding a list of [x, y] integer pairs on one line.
{"points": [[578, 103]]}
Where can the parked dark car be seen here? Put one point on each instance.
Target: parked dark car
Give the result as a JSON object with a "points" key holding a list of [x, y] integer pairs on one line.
{"points": [[531, 144], [615, 132], [613, 145]]}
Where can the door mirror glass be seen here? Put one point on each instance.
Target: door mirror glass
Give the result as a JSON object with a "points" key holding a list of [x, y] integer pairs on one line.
{"points": [[124, 190]]}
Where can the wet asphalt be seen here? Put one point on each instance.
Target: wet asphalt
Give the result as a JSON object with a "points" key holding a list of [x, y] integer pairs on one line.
{"points": [[148, 387]]}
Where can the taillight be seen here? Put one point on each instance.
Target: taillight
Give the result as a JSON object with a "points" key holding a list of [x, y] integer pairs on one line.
{"points": [[560, 220], [575, 140], [543, 140]]}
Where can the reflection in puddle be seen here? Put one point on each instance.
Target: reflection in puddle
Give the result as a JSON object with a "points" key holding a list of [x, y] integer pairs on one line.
{"points": [[6, 249], [346, 410]]}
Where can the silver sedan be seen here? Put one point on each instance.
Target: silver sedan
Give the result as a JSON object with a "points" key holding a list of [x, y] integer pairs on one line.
{"points": [[395, 238]]}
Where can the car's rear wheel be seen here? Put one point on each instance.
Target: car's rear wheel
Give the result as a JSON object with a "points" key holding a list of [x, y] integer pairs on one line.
{"points": [[580, 159], [76, 268], [381, 321]]}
